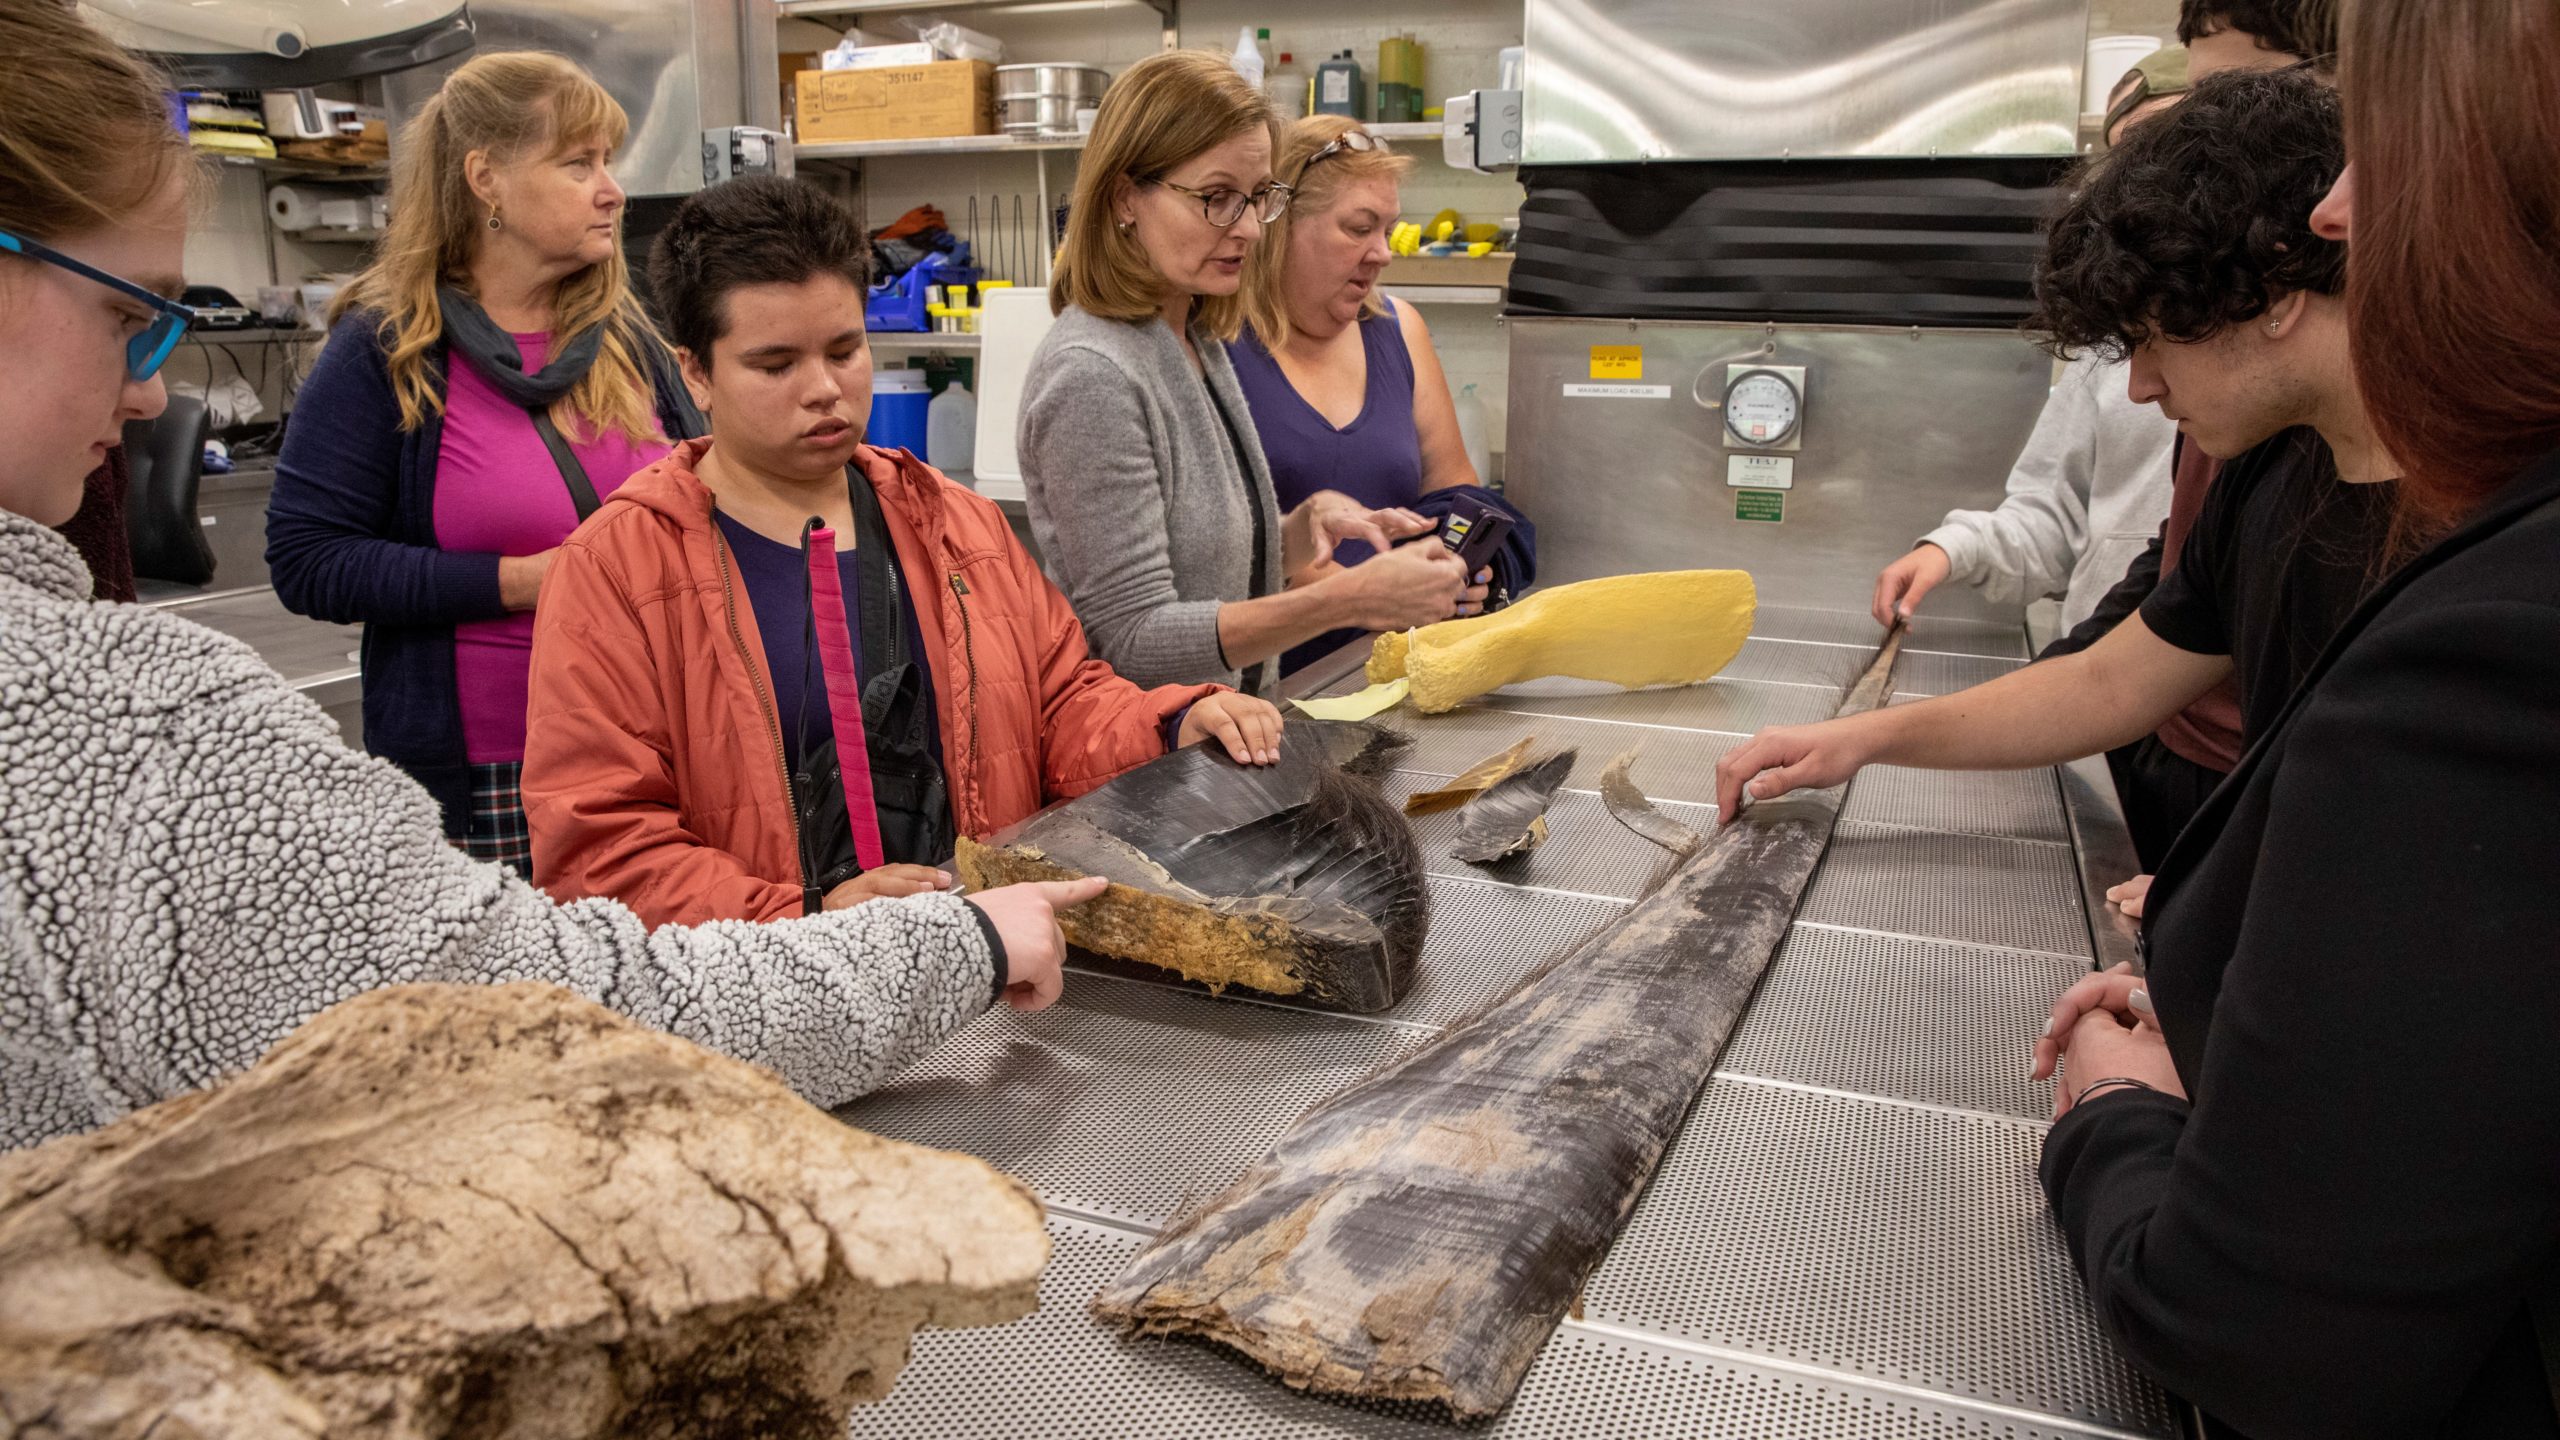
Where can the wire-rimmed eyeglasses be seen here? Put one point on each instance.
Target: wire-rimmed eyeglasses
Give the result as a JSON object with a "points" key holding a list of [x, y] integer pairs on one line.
{"points": [[1224, 205]]}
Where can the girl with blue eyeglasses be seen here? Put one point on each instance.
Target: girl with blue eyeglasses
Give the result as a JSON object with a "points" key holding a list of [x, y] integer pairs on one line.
{"points": [[191, 862]]}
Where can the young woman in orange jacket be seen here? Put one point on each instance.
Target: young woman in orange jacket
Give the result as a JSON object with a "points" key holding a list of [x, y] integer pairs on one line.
{"points": [[758, 602]]}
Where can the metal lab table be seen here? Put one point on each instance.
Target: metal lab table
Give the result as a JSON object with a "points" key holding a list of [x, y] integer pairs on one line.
{"points": [[1846, 1240]]}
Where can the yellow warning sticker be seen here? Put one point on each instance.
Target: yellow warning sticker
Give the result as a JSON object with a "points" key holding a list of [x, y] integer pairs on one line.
{"points": [[1617, 362]]}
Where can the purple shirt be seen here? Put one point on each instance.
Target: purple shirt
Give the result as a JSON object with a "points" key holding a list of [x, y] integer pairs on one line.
{"points": [[1376, 459], [497, 490]]}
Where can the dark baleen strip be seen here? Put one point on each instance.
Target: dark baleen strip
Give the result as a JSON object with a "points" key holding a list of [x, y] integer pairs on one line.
{"points": [[1511, 815], [1418, 1236]]}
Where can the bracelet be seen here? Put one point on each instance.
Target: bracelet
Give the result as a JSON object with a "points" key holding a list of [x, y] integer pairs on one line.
{"points": [[2095, 1086]]}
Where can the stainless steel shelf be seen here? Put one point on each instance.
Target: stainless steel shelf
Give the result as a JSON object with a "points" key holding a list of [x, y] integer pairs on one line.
{"points": [[915, 340], [828, 9], [1448, 294], [256, 335], [938, 145]]}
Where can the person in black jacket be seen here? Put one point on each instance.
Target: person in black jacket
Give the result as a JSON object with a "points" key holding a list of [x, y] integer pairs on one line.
{"points": [[2354, 1228]]}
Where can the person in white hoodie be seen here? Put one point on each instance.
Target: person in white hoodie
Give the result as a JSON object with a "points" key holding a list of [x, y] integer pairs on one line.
{"points": [[2084, 499], [192, 863]]}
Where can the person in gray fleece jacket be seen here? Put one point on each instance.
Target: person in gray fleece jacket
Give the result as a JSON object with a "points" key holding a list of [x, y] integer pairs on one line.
{"points": [[1149, 495], [192, 863]]}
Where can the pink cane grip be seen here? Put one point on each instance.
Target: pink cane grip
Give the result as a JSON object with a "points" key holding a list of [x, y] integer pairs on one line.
{"points": [[844, 696]]}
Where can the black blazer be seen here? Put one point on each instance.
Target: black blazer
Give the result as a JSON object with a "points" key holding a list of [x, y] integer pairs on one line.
{"points": [[2355, 956]]}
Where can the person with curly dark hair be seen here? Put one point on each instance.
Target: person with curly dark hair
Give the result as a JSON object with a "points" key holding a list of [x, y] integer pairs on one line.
{"points": [[2190, 252], [2258, 34], [2086, 502]]}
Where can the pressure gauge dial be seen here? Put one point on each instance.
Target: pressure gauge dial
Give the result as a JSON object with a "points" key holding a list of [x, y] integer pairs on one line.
{"points": [[1762, 408]]}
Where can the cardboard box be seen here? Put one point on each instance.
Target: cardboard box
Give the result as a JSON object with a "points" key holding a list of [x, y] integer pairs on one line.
{"points": [[898, 102]]}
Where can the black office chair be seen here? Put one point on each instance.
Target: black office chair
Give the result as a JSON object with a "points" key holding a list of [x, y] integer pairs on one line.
{"points": [[166, 460]]}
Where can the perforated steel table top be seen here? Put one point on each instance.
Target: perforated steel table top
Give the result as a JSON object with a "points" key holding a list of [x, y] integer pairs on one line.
{"points": [[1847, 1239]]}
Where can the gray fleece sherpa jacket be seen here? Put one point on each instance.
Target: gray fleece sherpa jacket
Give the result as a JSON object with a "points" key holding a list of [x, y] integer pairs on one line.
{"points": [[192, 864]]}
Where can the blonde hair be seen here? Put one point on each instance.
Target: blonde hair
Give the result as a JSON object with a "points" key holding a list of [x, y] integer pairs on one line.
{"points": [[513, 104], [86, 137], [1161, 112], [1266, 285]]}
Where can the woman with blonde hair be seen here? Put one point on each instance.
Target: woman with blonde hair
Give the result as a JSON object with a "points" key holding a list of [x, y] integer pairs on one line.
{"points": [[488, 380], [1149, 494], [1345, 388]]}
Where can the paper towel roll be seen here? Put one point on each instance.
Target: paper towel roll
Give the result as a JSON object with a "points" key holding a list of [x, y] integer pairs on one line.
{"points": [[294, 208]]}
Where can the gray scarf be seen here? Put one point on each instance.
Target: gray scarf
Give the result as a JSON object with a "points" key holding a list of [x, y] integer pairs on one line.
{"points": [[492, 352]]}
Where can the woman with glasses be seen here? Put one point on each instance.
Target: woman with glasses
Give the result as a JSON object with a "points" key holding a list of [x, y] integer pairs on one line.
{"points": [[1149, 494], [1344, 386], [194, 863], [488, 381]]}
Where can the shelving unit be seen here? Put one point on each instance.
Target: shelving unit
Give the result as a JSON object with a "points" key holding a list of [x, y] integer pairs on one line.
{"points": [[289, 169], [328, 235], [825, 11], [1448, 294], [922, 341], [255, 335], [940, 145], [1414, 131]]}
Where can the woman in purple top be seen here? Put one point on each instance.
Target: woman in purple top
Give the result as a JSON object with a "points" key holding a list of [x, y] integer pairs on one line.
{"points": [[489, 380], [1345, 388]]}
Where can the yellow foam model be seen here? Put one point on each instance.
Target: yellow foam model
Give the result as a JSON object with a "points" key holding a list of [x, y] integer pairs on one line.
{"points": [[1674, 627]]}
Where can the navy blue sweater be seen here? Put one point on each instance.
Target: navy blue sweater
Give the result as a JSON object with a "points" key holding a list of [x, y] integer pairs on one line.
{"points": [[351, 537]]}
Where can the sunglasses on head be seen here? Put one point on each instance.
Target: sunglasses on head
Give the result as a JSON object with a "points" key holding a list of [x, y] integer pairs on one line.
{"points": [[144, 353], [1358, 141]]}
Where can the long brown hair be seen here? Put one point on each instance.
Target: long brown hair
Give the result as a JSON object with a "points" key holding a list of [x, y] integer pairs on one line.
{"points": [[86, 137], [512, 104], [1160, 112], [1266, 281], [2453, 272]]}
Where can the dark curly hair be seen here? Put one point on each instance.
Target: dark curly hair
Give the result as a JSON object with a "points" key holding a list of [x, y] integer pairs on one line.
{"points": [[2199, 221], [2308, 28], [756, 230]]}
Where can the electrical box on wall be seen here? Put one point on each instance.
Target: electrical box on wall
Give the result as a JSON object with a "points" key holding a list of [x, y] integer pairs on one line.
{"points": [[1763, 407]]}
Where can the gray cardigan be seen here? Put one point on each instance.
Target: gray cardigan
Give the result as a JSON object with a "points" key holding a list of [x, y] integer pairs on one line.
{"points": [[1135, 497], [192, 863]]}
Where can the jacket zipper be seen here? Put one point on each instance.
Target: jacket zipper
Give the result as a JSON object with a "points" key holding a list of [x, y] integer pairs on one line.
{"points": [[969, 647], [810, 901]]}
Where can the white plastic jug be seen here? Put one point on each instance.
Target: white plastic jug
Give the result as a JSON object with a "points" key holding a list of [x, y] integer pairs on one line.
{"points": [[1248, 59], [1471, 433], [951, 432]]}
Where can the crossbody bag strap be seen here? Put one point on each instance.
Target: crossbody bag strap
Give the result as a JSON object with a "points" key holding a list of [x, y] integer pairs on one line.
{"points": [[582, 493], [882, 613]]}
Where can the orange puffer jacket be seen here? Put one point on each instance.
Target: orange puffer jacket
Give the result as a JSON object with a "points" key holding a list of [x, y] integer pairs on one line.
{"points": [[653, 765]]}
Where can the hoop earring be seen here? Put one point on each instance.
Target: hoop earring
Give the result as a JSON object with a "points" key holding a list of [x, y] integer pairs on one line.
{"points": [[493, 217]]}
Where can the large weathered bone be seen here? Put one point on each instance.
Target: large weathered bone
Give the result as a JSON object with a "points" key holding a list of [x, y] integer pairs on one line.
{"points": [[1418, 1236], [1298, 878], [490, 1212]]}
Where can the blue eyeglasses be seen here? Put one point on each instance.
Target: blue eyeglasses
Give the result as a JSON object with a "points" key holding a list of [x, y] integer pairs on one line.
{"points": [[144, 353]]}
